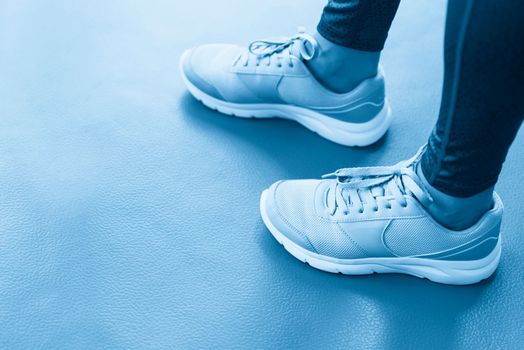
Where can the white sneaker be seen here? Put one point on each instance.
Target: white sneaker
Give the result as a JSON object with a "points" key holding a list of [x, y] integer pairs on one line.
{"points": [[374, 220], [270, 79]]}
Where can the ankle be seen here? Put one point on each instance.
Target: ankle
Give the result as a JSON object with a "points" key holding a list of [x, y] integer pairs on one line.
{"points": [[457, 213], [341, 68]]}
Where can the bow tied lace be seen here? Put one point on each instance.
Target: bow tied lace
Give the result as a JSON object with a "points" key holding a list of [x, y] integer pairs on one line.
{"points": [[375, 186], [302, 45]]}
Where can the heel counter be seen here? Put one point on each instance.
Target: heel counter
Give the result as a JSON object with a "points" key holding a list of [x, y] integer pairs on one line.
{"points": [[363, 104]]}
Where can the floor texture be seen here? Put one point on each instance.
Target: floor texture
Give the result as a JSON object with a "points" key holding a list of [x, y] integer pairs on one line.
{"points": [[129, 212]]}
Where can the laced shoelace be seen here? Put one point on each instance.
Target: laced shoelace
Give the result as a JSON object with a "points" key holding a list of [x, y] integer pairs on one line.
{"points": [[376, 186], [302, 45]]}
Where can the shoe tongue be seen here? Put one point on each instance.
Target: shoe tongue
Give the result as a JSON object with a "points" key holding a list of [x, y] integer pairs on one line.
{"points": [[378, 191], [375, 191]]}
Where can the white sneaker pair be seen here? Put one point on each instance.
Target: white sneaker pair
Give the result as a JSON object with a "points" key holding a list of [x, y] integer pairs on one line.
{"points": [[364, 220]]}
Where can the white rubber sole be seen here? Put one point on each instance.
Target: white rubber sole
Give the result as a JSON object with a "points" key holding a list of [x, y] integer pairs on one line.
{"points": [[347, 134], [440, 271]]}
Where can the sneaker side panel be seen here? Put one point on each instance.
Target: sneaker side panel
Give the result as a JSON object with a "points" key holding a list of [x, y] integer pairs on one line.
{"points": [[360, 105]]}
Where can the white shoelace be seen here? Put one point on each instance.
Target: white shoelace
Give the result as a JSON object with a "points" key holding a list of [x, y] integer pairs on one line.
{"points": [[376, 185], [302, 46]]}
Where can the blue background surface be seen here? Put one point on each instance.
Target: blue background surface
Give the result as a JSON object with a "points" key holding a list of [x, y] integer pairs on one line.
{"points": [[129, 212]]}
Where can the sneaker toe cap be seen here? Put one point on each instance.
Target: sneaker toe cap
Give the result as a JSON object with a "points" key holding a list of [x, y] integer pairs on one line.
{"points": [[206, 67], [295, 209], [283, 201]]}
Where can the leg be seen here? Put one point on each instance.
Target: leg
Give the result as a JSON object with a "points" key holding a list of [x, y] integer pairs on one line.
{"points": [[358, 24], [482, 106], [351, 34]]}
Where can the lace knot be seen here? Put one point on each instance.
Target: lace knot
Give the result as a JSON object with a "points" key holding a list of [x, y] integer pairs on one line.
{"points": [[355, 187], [302, 45]]}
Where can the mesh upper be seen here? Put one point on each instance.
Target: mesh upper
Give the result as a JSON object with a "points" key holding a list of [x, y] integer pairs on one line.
{"points": [[295, 203]]}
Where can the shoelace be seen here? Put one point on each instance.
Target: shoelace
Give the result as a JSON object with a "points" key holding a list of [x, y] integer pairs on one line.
{"points": [[376, 185], [302, 45]]}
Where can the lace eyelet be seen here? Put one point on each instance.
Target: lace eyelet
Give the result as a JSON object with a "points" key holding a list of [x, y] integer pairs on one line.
{"points": [[360, 211]]}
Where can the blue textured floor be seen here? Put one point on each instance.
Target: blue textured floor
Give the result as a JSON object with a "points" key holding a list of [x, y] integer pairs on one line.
{"points": [[129, 212]]}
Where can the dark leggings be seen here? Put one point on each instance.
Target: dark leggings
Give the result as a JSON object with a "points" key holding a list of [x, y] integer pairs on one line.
{"points": [[482, 103]]}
